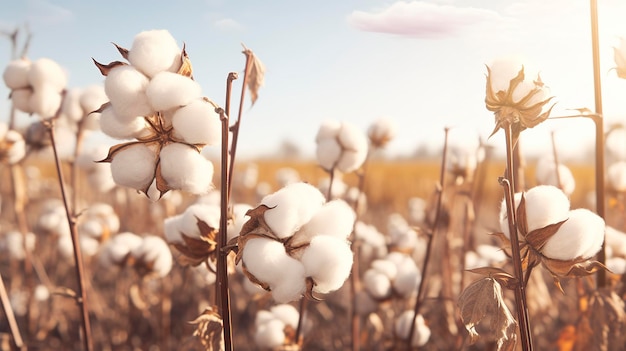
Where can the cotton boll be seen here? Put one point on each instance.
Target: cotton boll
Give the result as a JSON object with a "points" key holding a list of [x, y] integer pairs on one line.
{"points": [[417, 209], [126, 89], [89, 246], [381, 132], [41, 293], [46, 72], [616, 176], [101, 178], [581, 235], [388, 268], [120, 246], [616, 265], [546, 174], [328, 153], [408, 278], [45, 101], [134, 167], [473, 260], [270, 335], [291, 287], [286, 175], [155, 253], [329, 129], [209, 214], [291, 207], [117, 128], [21, 100], [91, 228], [373, 243], [70, 108], [616, 241], [377, 284], [154, 51], [198, 123], [335, 218], [490, 253], [328, 261], [14, 244], [15, 74], [170, 229], [168, 90], [184, 168], [239, 219], [262, 317], [92, 98], [287, 314], [421, 333], [354, 144], [545, 205]]}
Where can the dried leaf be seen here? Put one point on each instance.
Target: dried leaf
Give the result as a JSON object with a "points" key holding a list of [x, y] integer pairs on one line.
{"points": [[105, 69], [256, 74], [209, 328], [194, 251], [520, 216], [310, 284], [185, 64], [122, 51], [538, 237], [161, 183], [484, 298], [606, 315], [502, 276], [117, 148]]}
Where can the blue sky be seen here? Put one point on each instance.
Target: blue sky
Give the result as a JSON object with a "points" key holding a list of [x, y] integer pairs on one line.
{"points": [[420, 63]]}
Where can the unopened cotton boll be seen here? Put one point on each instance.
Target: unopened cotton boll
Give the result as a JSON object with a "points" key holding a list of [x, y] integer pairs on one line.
{"points": [[335, 218], [421, 333], [270, 334], [15, 74], [209, 214], [46, 72], [154, 51], [126, 89], [118, 128], [198, 123], [291, 207], [183, 167], [168, 90], [45, 101], [134, 167], [377, 284], [328, 260], [581, 236]]}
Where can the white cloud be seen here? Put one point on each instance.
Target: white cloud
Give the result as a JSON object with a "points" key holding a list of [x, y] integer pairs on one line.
{"points": [[422, 19], [228, 25]]}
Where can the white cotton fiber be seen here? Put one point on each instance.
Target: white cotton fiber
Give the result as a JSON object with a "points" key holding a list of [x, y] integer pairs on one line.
{"points": [[91, 228], [354, 144], [492, 254], [617, 265], [351, 160], [101, 179], [239, 219], [292, 207], [546, 174], [386, 267], [329, 129], [154, 252], [126, 89], [335, 218], [377, 284], [134, 167], [209, 214], [70, 108], [111, 125], [198, 123], [168, 90], [581, 236], [421, 333], [184, 168], [92, 98], [408, 278], [545, 205], [292, 285], [502, 71], [46, 72], [45, 101], [21, 100], [171, 230], [15, 74], [381, 132], [262, 317], [14, 244], [286, 313], [270, 335], [328, 260], [328, 152], [154, 51]]}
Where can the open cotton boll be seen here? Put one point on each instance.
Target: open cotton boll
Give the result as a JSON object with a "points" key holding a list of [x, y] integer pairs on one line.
{"points": [[184, 168], [328, 261], [134, 166], [421, 333], [377, 284], [168, 90], [351, 160], [616, 176], [291, 207], [388, 268], [15, 74], [270, 335], [328, 152], [198, 123], [502, 70], [262, 317], [70, 107], [291, 286], [46, 72], [286, 313], [209, 214], [473, 260], [287, 175], [21, 100], [581, 236], [171, 229], [13, 243], [354, 144], [101, 179], [126, 89], [335, 218], [154, 252], [381, 132], [616, 265], [616, 241], [546, 174], [45, 101], [154, 51], [92, 98], [408, 277], [329, 129], [239, 219], [545, 205], [91, 228], [117, 128], [120, 246]]}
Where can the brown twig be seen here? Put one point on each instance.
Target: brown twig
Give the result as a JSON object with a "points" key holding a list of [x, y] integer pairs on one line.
{"points": [[419, 298], [8, 311], [555, 155]]}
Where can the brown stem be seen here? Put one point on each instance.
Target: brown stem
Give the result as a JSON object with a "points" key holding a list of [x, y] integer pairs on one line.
{"points": [[81, 298], [8, 311], [555, 155], [520, 292], [223, 296], [235, 127], [77, 149], [419, 298], [302, 309]]}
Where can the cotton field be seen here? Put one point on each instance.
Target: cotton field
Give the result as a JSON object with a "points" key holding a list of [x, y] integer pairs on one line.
{"points": [[165, 240]]}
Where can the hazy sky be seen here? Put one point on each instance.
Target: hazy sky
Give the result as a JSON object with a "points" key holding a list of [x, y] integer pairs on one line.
{"points": [[420, 63]]}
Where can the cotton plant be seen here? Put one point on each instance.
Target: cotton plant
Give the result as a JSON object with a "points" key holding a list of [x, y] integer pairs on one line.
{"points": [[276, 328], [549, 173], [12, 145], [154, 100], [295, 243], [148, 255], [396, 275], [95, 225]]}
